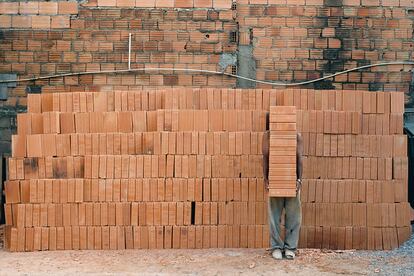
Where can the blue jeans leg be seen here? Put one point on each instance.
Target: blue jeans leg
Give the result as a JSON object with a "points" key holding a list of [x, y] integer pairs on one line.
{"points": [[275, 211], [293, 218], [293, 221]]}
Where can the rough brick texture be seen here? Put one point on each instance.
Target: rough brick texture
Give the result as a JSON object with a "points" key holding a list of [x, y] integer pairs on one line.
{"points": [[297, 40], [292, 40], [143, 161]]}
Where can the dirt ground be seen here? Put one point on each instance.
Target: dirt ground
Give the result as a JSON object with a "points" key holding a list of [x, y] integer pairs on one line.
{"points": [[199, 262], [156, 262], [209, 262]]}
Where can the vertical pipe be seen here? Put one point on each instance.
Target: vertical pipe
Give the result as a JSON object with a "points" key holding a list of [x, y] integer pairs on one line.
{"points": [[129, 52]]}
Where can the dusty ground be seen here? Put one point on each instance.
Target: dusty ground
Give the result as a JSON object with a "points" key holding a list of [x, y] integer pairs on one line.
{"points": [[208, 262], [155, 262], [202, 262]]}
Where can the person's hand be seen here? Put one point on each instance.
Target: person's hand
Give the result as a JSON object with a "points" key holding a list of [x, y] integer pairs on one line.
{"points": [[266, 184], [298, 184]]}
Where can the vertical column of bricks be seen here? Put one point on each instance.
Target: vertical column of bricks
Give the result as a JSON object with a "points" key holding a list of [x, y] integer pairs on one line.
{"points": [[354, 168], [282, 151]]}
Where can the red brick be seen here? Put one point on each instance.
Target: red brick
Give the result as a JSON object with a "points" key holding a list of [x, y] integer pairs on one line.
{"points": [[5, 21], [108, 3], [334, 43], [19, 145], [125, 3], [94, 3], [68, 7], [48, 8], [9, 7], [314, 2], [21, 21], [41, 22], [29, 7], [61, 22], [183, 4], [145, 3], [164, 3], [352, 2], [203, 3]]}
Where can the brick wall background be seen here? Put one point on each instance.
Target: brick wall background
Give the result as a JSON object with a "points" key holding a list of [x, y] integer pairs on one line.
{"points": [[289, 40], [296, 40]]}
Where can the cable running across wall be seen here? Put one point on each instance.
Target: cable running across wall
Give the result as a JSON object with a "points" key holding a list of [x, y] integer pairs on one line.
{"points": [[212, 73]]}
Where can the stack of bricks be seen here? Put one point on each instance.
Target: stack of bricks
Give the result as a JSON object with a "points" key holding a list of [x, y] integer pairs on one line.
{"points": [[135, 170], [182, 168], [282, 151], [355, 168]]}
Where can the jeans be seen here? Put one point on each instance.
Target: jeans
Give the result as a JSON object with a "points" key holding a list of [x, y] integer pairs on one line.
{"points": [[293, 218]]}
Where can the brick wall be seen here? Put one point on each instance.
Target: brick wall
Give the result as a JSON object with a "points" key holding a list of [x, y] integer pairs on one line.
{"points": [[98, 40], [297, 40], [41, 38], [292, 40]]}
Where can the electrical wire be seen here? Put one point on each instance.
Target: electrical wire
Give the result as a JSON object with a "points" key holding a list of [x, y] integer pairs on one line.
{"points": [[212, 73]]}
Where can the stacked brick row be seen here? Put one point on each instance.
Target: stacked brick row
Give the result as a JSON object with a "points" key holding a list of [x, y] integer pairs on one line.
{"points": [[87, 175], [355, 168], [182, 168], [282, 151], [285, 40]]}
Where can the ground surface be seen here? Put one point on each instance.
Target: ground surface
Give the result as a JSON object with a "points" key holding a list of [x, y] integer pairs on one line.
{"points": [[208, 262]]}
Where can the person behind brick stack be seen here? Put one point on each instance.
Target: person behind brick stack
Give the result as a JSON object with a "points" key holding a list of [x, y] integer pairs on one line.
{"points": [[292, 206]]}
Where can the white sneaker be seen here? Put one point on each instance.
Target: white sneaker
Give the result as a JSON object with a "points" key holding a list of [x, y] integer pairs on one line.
{"points": [[289, 254], [277, 254]]}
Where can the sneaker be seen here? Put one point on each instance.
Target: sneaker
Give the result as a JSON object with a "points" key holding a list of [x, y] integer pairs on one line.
{"points": [[290, 254], [277, 254]]}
